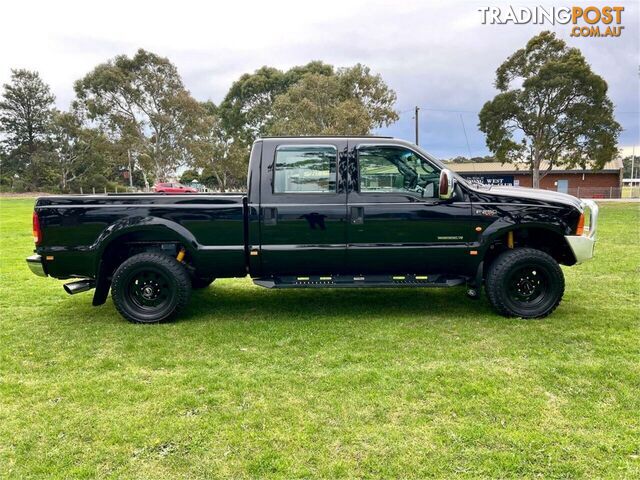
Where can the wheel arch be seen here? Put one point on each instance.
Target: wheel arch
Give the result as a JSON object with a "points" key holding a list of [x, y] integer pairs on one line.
{"points": [[114, 244], [546, 238]]}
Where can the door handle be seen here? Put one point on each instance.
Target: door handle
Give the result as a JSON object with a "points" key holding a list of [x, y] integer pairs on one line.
{"points": [[269, 216], [357, 215]]}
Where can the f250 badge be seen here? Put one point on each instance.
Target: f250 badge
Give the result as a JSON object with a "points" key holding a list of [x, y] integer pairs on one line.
{"points": [[486, 213]]}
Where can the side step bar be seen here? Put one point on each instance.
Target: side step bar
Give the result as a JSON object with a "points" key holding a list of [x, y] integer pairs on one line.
{"points": [[366, 281]]}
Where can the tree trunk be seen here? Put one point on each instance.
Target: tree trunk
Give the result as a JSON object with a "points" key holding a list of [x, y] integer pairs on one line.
{"points": [[535, 169], [130, 169], [146, 181], [535, 175], [220, 182]]}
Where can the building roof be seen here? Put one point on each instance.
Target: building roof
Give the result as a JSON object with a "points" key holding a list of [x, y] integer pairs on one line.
{"points": [[497, 167]]}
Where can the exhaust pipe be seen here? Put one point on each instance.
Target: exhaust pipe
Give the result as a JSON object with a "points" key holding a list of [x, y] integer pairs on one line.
{"points": [[79, 286]]}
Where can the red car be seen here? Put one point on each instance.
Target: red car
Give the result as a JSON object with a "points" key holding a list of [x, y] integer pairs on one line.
{"points": [[173, 188]]}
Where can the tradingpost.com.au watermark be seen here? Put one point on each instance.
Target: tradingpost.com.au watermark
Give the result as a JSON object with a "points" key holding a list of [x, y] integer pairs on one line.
{"points": [[585, 21]]}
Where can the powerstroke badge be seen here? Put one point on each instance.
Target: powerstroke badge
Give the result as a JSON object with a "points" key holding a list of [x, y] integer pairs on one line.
{"points": [[486, 213]]}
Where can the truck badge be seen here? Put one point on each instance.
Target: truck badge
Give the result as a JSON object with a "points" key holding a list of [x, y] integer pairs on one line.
{"points": [[486, 213]]}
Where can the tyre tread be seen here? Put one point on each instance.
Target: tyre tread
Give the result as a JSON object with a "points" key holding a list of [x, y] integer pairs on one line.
{"points": [[176, 269], [499, 268]]}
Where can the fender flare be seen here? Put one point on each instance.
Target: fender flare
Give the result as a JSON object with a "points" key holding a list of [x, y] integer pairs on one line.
{"points": [[126, 226], [506, 224]]}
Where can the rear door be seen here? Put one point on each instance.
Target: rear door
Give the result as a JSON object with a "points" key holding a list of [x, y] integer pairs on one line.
{"points": [[397, 223], [303, 217]]}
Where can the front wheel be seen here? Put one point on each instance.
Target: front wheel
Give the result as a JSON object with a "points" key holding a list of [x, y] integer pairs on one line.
{"points": [[525, 283], [150, 288]]}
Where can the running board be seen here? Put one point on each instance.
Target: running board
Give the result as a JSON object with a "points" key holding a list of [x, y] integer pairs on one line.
{"points": [[367, 281]]}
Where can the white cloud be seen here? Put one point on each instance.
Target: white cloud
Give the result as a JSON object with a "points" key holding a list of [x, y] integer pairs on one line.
{"points": [[434, 54]]}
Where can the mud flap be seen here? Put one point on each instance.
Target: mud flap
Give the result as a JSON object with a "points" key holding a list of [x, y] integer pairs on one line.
{"points": [[103, 283]]}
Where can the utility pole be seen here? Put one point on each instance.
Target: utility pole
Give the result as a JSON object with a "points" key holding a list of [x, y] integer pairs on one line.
{"points": [[417, 125]]}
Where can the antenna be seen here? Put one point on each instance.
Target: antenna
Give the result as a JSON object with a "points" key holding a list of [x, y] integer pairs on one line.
{"points": [[465, 136], [417, 123]]}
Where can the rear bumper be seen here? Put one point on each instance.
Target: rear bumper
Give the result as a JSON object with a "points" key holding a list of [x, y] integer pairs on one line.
{"points": [[36, 266], [582, 246]]}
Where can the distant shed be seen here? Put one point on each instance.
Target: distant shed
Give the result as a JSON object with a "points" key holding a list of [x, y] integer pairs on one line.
{"points": [[605, 183]]}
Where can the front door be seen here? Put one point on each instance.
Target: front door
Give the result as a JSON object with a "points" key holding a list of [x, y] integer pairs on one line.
{"points": [[397, 223], [302, 207]]}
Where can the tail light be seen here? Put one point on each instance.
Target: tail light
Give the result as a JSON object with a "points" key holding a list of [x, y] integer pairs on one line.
{"points": [[580, 229], [37, 233]]}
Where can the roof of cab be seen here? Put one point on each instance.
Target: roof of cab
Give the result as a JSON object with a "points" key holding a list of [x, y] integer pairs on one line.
{"points": [[323, 136]]}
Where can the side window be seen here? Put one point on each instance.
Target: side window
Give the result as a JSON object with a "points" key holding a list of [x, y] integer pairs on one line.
{"points": [[305, 169], [396, 170]]}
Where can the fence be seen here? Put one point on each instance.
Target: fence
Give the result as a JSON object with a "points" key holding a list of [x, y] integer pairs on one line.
{"points": [[122, 189], [604, 192]]}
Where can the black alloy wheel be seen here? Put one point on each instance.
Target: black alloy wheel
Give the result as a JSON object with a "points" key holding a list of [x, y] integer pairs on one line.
{"points": [[525, 283], [150, 288]]}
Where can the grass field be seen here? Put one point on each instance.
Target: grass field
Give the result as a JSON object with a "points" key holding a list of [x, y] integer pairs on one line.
{"points": [[251, 383]]}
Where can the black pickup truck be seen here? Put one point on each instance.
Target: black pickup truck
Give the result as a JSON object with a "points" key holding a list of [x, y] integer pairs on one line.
{"points": [[319, 212]]}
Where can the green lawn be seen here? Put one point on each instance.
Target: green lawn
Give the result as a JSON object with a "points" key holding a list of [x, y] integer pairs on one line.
{"points": [[255, 383]]}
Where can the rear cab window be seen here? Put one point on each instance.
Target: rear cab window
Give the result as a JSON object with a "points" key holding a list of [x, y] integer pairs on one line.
{"points": [[305, 169]]}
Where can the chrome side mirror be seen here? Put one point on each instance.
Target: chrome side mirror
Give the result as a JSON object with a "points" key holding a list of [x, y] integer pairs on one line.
{"points": [[446, 185]]}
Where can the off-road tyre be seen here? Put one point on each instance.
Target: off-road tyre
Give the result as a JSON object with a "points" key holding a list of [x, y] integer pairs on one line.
{"points": [[525, 283], [150, 288]]}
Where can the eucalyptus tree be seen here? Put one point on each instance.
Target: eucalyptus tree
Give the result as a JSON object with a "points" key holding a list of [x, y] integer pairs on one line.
{"points": [[550, 107], [141, 103]]}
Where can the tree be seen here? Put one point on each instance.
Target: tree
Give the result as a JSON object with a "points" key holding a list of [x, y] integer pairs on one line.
{"points": [[79, 153], [245, 112], [221, 157], [189, 176], [351, 102], [461, 159], [316, 105], [552, 107], [25, 112], [142, 104]]}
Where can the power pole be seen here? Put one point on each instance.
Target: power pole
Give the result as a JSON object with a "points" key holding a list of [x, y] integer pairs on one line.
{"points": [[417, 125]]}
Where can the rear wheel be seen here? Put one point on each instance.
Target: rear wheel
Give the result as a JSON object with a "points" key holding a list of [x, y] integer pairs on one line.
{"points": [[150, 288], [525, 283]]}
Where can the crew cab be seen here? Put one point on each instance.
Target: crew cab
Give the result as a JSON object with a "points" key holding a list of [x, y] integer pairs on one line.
{"points": [[319, 212]]}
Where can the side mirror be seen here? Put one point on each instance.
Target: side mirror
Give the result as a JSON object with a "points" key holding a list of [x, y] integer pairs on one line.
{"points": [[446, 186]]}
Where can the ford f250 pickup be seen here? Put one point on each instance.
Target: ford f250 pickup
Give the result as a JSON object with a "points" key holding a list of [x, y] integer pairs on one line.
{"points": [[322, 212]]}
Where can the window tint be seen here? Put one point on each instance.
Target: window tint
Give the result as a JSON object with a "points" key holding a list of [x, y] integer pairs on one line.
{"points": [[396, 170], [305, 169]]}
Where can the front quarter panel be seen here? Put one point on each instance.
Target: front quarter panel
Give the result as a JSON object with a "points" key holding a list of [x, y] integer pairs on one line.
{"points": [[496, 215]]}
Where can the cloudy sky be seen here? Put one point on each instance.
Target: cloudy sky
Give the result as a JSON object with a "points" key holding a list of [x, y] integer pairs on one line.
{"points": [[437, 55]]}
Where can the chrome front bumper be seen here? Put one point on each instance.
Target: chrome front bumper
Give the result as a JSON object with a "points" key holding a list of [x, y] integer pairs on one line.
{"points": [[35, 265], [582, 245]]}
